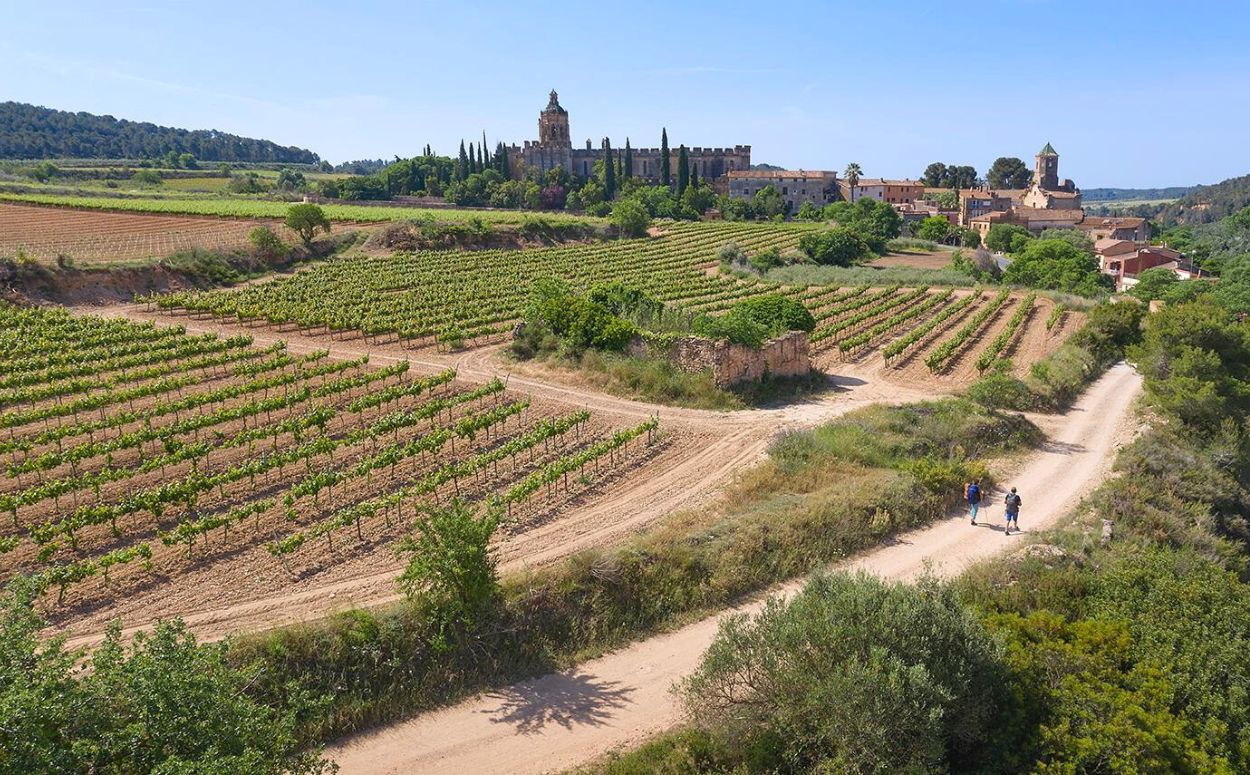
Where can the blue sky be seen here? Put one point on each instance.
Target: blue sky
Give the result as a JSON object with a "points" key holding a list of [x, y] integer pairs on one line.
{"points": [[1130, 94]]}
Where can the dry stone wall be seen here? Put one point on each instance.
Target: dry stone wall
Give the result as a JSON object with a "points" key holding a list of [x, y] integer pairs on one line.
{"points": [[785, 356]]}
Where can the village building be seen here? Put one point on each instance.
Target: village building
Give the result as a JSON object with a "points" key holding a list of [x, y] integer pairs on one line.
{"points": [[819, 187], [554, 149], [1125, 259], [895, 192]]}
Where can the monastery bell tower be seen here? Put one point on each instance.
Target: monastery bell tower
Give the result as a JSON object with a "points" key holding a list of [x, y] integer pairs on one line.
{"points": [[1046, 173], [553, 125]]}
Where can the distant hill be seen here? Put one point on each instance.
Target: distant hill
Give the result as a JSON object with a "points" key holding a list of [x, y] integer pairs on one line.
{"points": [[1207, 204], [32, 132], [1120, 194], [766, 167]]}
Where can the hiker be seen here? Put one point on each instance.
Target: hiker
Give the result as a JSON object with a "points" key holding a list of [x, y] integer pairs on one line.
{"points": [[1012, 503], [973, 493]]}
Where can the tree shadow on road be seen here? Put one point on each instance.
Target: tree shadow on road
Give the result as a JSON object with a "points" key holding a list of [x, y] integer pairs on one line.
{"points": [[568, 698]]}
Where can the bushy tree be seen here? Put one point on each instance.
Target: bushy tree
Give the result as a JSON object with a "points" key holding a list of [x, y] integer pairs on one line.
{"points": [[838, 246], [630, 217], [306, 220], [164, 703], [451, 564], [1074, 237], [1007, 238], [852, 675], [808, 212], [1056, 265], [1009, 172], [767, 202], [935, 228], [1154, 283], [265, 242]]}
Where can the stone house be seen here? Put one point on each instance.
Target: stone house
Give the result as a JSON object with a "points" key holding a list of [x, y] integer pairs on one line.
{"points": [[820, 187]]}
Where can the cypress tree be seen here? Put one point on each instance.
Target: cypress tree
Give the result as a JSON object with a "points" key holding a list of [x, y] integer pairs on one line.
{"points": [[472, 159], [666, 173], [501, 159], [629, 160], [683, 170], [485, 153], [462, 163], [694, 175], [609, 171]]}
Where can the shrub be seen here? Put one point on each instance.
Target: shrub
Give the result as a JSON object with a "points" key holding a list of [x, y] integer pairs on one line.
{"points": [[1007, 238], [839, 246], [853, 675], [778, 313], [1056, 265], [266, 243], [630, 218]]}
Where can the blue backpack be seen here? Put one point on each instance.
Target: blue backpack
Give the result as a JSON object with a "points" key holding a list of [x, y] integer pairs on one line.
{"points": [[974, 493]]}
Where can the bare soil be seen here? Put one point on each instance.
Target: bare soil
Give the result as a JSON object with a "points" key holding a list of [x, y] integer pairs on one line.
{"points": [[97, 237], [918, 259]]}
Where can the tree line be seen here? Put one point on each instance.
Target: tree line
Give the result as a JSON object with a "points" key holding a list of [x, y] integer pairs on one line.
{"points": [[33, 132]]}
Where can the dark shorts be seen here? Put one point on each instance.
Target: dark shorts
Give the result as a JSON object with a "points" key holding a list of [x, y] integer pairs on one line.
{"points": [[1013, 515]]}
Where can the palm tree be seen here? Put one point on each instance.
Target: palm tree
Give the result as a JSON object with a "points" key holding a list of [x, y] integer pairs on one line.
{"points": [[852, 174]]}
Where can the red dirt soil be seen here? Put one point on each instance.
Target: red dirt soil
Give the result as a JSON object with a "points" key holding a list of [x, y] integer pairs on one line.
{"points": [[95, 237]]}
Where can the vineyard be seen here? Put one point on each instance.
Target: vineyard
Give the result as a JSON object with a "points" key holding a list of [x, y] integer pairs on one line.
{"points": [[259, 209], [43, 233], [439, 297], [135, 454]]}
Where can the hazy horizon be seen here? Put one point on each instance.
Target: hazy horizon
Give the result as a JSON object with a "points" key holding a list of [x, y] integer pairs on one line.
{"points": [[1140, 95]]}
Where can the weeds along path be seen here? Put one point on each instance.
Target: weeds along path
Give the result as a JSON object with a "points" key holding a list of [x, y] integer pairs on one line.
{"points": [[565, 719], [709, 447]]}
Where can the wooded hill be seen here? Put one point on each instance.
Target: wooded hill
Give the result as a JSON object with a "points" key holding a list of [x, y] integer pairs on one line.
{"points": [[33, 132]]}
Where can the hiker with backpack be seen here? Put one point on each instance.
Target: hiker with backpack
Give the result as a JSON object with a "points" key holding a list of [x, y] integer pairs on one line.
{"points": [[1012, 502], [972, 493]]}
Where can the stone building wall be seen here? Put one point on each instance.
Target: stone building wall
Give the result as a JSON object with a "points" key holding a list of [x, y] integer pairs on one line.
{"points": [[785, 356]]}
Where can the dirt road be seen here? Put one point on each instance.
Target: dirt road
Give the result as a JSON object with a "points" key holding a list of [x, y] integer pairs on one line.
{"points": [[713, 445], [563, 719]]}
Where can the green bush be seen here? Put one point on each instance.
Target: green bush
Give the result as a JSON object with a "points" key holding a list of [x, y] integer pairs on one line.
{"points": [[779, 313], [161, 704], [838, 246], [852, 675]]}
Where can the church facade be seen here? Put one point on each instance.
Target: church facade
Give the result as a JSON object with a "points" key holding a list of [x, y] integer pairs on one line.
{"points": [[554, 148]]}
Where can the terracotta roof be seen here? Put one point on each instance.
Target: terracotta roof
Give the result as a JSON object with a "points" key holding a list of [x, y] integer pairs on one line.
{"points": [[1098, 222], [1038, 214], [1109, 246], [864, 182], [820, 174], [907, 183], [1061, 194]]}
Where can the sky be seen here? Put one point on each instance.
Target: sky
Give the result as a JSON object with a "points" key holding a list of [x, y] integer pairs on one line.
{"points": [[1131, 94]]}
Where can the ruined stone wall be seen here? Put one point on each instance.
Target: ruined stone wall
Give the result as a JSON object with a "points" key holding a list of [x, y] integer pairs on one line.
{"points": [[785, 356]]}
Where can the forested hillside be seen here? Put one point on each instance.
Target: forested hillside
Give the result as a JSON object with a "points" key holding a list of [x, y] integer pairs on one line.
{"points": [[32, 132], [1121, 194], [1206, 204]]}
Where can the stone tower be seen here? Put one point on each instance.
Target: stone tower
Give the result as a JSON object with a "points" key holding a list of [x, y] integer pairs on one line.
{"points": [[553, 125], [1046, 173]]}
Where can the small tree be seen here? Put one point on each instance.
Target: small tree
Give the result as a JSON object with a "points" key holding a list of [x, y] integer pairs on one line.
{"points": [[630, 218], [450, 562], [265, 242], [767, 202], [935, 228], [306, 220], [808, 212]]}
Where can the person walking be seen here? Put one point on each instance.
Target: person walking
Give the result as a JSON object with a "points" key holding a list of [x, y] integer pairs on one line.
{"points": [[1012, 502], [973, 494]]}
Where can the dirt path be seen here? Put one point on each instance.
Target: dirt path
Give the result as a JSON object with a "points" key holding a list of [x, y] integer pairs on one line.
{"points": [[564, 719], [714, 445]]}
